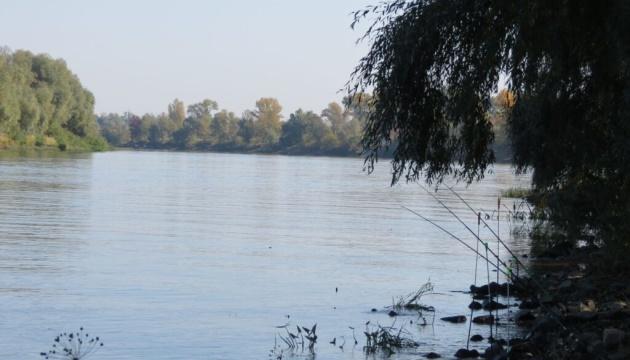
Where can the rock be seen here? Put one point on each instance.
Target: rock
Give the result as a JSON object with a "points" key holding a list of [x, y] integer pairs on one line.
{"points": [[475, 305], [523, 350], [615, 305], [580, 317], [374, 310], [515, 341], [432, 355], [613, 337], [494, 351], [596, 348], [621, 354], [495, 289], [392, 313], [493, 305], [484, 319], [588, 337], [466, 354], [455, 319], [588, 306], [523, 317], [545, 324], [476, 338], [529, 305], [566, 284]]}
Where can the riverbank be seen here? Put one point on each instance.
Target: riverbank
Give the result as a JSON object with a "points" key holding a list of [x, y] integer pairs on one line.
{"points": [[61, 141], [578, 306]]}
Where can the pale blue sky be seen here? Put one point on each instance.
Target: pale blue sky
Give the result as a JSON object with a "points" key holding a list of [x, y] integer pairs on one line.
{"points": [[139, 55]]}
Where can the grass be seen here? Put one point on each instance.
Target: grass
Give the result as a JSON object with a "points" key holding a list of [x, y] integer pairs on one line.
{"points": [[516, 193], [386, 339], [411, 302]]}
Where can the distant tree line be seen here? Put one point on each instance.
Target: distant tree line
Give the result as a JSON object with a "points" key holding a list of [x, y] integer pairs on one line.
{"points": [[336, 130], [42, 103]]}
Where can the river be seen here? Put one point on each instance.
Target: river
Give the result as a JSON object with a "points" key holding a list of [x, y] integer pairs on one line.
{"points": [[169, 255]]}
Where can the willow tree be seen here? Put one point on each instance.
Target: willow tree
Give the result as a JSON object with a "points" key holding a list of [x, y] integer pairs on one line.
{"points": [[434, 65]]}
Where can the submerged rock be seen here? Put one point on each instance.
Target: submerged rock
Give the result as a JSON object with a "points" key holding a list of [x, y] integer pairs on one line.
{"points": [[432, 355], [476, 338], [466, 354], [392, 313], [475, 305], [493, 305], [455, 319], [484, 319]]}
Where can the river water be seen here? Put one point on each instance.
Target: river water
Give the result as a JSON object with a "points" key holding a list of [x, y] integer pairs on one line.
{"points": [[168, 255]]}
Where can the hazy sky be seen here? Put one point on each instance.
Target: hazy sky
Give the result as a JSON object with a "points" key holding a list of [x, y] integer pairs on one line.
{"points": [[140, 55]]}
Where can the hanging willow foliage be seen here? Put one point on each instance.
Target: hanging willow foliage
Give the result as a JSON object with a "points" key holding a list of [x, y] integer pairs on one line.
{"points": [[433, 66]]}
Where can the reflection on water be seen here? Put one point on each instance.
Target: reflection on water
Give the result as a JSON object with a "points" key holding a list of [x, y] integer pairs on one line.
{"points": [[197, 256]]}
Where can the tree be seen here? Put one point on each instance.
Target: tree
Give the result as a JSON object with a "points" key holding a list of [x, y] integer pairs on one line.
{"points": [[224, 127], [203, 109], [434, 65], [268, 124], [336, 117], [307, 130], [41, 98], [115, 129], [177, 112]]}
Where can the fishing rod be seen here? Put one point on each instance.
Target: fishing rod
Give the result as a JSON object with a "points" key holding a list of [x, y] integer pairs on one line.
{"points": [[453, 236], [499, 261], [488, 227]]}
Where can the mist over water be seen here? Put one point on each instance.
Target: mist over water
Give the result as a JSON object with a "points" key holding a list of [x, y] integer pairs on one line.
{"points": [[168, 255]]}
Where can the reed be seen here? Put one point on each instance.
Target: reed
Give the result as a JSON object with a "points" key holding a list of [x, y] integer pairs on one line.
{"points": [[73, 346]]}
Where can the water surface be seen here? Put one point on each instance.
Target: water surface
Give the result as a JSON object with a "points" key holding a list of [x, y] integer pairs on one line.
{"points": [[170, 255]]}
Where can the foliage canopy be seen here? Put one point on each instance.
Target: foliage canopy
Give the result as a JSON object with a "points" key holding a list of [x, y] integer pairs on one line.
{"points": [[433, 66]]}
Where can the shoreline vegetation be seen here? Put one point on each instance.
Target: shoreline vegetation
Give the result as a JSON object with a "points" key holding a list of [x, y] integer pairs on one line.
{"points": [[335, 131], [44, 105]]}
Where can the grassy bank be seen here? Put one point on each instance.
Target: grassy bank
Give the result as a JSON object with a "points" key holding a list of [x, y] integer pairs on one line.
{"points": [[60, 140]]}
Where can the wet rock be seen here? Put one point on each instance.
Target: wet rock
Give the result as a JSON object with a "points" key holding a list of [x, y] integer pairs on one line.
{"points": [[495, 289], [475, 305], [484, 319], [529, 305], [455, 319], [392, 313], [432, 355], [373, 310], [494, 351], [613, 337], [476, 338], [523, 350], [467, 354], [493, 305], [523, 317]]}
